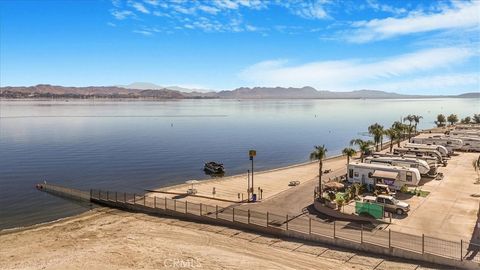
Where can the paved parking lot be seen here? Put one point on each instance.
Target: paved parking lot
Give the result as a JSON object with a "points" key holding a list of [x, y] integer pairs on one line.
{"points": [[450, 211]]}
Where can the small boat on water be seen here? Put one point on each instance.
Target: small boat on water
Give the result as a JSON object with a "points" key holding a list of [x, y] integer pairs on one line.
{"points": [[214, 167]]}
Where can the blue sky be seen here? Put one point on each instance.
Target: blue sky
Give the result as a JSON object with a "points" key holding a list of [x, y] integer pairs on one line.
{"points": [[429, 47]]}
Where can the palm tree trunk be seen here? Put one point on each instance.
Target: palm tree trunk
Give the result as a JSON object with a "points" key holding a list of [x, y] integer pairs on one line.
{"points": [[348, 160], [391, 145], [320, 171], [409, 135]]}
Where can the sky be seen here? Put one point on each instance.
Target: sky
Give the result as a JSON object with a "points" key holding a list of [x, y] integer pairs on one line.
{"points": [[410, 47]]}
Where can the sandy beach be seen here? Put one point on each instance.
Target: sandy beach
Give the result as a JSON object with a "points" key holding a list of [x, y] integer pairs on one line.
{"points": [[112, 239]]}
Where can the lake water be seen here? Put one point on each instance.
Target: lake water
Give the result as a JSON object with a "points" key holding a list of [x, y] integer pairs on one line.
{"points": [[134, 145]]}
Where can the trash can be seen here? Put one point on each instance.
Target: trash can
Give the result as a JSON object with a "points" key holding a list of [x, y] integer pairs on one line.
{"points": [[254, 197]]}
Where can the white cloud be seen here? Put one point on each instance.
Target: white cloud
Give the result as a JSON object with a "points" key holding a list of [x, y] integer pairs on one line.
{"points": [[307, 9], [140, 7], [462, 15], [208, 9], [152, 2], [385, 8], [111, 24], [122, 14], [348, 74], [143, 32], [435, 84]]}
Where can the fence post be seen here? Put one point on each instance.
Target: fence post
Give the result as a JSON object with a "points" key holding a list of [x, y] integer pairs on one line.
{"points": [[310, 225], [286, 222], [144, 199], [461, 249], [248, 219], [233, 214], [116, 199], [200, 209], [361, 233], [155, 202], [389, 238], [216, 211], [334, 233], [134, 198], [174, 205], [186, 207], [423, 243], [267, 219]]}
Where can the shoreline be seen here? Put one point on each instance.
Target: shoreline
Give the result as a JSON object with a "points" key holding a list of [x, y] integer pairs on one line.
{"points": [[205, 181]]}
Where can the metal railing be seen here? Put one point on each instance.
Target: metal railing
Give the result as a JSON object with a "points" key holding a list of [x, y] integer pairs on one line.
{"points": [[456, 250]]}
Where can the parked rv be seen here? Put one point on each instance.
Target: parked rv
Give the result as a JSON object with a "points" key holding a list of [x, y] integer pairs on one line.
{"points": [[470, 143], [440, 148], [420, 153], [450, 143], [431, 161], [414, 162], [374, 173]]}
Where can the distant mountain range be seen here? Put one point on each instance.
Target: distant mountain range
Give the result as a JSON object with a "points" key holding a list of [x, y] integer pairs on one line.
{"points": [[146, 90]]}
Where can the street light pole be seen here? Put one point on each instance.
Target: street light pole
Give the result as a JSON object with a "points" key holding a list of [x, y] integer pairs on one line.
{"points": [[251, 154], [248, 184]]}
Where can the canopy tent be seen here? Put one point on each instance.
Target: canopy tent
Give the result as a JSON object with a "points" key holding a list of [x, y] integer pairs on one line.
{"points": [[192, 182], [334, 185]]}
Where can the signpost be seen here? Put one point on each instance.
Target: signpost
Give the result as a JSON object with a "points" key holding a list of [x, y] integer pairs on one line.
{"points": [[252, 154]]}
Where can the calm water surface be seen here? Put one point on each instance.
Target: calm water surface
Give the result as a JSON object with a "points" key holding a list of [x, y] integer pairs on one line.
{"points": [[134, 145]]}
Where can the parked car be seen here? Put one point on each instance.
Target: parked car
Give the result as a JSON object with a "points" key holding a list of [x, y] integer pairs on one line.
{"points": [[389, 203]]}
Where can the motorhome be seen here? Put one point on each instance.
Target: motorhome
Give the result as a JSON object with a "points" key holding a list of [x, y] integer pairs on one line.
{"points": [[420, 164], [393, 176], [450, 143], [440, 148], [431, 161], [420, 153]]}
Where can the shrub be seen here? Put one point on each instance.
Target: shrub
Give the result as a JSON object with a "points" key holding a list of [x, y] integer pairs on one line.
{"points": [[404, 189]]}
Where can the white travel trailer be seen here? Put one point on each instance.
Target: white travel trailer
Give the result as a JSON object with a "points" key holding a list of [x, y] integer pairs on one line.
{"points": [[440, 148], [393, 176], [420, 153], [465, 132], [431, 161], [419, 164], [449, 142], [470, 143]]}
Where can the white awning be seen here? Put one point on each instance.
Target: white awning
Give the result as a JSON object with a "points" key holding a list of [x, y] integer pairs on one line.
{"points": [[385, 174]]}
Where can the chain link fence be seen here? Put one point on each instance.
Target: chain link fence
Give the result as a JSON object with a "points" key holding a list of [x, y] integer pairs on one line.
{"points": [[457, 250]]}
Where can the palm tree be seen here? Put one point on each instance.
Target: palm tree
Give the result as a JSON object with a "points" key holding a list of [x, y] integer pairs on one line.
{"points": [[410, 118], [377, 131], [392, 135], [416, 118], [319, 153], [399, 128], [409, 129], [349, 152], [364, 146], [476, 167]]}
